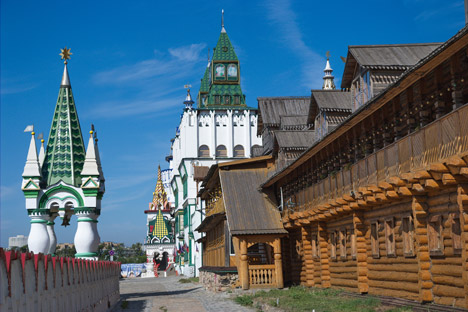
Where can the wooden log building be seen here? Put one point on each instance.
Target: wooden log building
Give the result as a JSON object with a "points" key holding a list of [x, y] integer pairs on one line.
{"points": [[380, 204], [243, 227]]}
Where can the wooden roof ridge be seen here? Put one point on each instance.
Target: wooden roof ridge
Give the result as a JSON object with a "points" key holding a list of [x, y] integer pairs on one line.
{"points": [[245, 161], [394, 45], [283, 97], [410, 76], [215, 168]]}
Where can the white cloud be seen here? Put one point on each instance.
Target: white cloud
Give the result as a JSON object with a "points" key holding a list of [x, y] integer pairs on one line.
{"points": [[160, 65], [158, 82], [189, 53], [282, 15]]}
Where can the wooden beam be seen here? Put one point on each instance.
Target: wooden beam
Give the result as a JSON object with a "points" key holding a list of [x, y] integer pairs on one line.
{"points": [[422, 174], [396, 181], [432, 184], [408, 177], [385, 185]]}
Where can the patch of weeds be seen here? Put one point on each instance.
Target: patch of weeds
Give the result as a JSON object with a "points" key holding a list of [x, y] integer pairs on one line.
{"points": [[124, 304], [245, 300], [300, 299], [163, 308], [189, 280]]}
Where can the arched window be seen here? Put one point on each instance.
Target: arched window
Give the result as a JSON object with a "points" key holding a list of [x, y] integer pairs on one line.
{"points": [[54, 207], [69, 205], [239, 151], [204, 151], [221, 151]]}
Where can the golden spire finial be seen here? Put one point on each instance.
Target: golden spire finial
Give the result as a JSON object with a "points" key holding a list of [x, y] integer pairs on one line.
{"points": [[328, 55], [65, 54]]}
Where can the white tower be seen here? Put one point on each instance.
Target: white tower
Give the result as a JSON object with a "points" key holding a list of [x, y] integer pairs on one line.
{"points": [[328, 78], [64, 181]]}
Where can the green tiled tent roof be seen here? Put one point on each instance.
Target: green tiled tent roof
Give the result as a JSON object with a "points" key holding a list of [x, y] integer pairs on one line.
{"points": [[65, 153], [223, 53], [226, 54], [205, 82]]}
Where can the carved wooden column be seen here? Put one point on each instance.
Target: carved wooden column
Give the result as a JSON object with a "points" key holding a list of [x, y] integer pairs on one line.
{"points": [[324, 257], [278, 263], [396, 119], [439, 103], [424, 109], [357, 143], [455, 82], [360, 228], [411, 121], [463, 205], [244, 264], [308, 258], [420, 214]]}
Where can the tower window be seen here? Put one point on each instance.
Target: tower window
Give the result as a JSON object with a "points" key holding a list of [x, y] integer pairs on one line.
{"points": [[239, 151], [217, 99], [227, 99], [204, 151], [221, 151], [236, 99]]}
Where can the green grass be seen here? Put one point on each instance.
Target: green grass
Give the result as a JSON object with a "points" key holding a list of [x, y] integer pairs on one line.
{"points": [[306, 299], [124, 304], [245, 300], [188, 280]]}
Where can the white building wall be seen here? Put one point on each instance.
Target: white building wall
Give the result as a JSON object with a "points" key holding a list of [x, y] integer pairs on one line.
{"points": [[211, 128]]}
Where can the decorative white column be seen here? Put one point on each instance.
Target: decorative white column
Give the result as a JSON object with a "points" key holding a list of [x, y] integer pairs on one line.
{"points": [[52, 237], [213, 133], [87, 237], [230, 126], [248, 133], [38, 239]]}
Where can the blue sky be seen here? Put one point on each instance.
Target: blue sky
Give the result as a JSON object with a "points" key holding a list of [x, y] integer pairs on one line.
{"points": [[131, 60]]}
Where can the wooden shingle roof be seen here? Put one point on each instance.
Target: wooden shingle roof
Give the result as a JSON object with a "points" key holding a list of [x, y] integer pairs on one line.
{"points": [[248, 210], [270, 109], [295, 139], [333, 100], [384, 57]]}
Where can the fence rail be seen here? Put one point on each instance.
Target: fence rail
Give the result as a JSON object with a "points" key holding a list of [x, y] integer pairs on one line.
{"points": [[262, 275]]}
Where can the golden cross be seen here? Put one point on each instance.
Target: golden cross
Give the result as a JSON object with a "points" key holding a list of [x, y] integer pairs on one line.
{"points": [[328, 55], [65, 54]]}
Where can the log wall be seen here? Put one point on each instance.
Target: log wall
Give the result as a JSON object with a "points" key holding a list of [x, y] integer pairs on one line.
{"points": [[215, 246], [391, 274], [343, 268], [408, 269]]}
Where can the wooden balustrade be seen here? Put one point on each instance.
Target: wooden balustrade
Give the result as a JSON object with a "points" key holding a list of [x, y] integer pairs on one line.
{"points": [[403, 159], [263, 275], [215, 207]]}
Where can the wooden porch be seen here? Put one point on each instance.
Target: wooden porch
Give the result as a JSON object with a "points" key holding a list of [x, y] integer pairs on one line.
{"points": [[260, 275]]}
